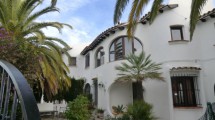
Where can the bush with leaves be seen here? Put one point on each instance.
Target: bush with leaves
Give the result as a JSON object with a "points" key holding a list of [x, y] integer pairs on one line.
{"points": [[78, 109], [118, 109], [68, 94], [140, 110]]}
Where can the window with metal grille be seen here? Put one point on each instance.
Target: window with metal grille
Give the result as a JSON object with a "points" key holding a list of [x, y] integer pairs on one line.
{"points": [[72, 61], [87, 60], [185, 91]]}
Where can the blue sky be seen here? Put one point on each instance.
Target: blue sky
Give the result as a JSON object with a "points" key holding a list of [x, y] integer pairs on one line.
{"points": [[88, 17]]}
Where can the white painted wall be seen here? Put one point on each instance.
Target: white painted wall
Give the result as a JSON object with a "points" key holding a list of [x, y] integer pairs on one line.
{"points": [[155, 37], [121, 94]]}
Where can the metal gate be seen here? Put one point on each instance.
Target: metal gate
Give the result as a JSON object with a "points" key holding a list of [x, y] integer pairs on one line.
{"points": [[16, 97]]}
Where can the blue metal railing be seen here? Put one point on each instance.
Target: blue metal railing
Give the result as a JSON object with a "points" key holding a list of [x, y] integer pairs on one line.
{"points": [[15, 92]]}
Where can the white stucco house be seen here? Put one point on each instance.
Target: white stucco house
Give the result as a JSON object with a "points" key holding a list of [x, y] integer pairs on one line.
{"points": [[187, 66]]}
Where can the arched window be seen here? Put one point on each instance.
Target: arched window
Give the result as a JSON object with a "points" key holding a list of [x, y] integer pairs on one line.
{"points": [[87, 89], [123, 46], [100, 57]]}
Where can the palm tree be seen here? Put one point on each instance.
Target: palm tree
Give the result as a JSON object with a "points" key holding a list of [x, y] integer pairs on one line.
{"points": [[139, 68], [139, 5], [42, 53]]}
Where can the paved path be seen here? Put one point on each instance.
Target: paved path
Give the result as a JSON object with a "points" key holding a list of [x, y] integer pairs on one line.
{"points": [[94, 116]]}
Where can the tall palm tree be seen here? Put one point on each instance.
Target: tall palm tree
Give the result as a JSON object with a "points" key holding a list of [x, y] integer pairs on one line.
{"points": [[138, 68], [139, 5], [42, 53]]}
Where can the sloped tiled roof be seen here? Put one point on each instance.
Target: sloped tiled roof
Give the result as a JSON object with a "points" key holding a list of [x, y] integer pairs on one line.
{"points": [[209, 14], [146, 17], [102, 36], [121, 26]]}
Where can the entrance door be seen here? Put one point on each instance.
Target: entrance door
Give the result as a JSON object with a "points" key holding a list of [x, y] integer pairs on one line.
{"points": [[96, 91]]}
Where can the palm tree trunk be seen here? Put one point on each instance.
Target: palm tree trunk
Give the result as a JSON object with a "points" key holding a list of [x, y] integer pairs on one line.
{"points": [[138, 91]]}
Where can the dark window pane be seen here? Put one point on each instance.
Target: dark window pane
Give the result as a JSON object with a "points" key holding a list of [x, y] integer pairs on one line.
{"points": [[122, 47], [119, 49], [100, 57], [87, 60], [112, 52], [72, 61], [184, 91], [176, 33]]}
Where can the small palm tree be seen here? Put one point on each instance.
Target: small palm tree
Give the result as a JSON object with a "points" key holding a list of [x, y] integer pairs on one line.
{"points": [[43, 53], [139, 68], [139, 5]]}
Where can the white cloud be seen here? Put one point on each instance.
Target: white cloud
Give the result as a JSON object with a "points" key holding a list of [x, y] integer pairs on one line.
{"points": [[69, 5], [82, 33], [76, 49], [66, 7], [79, 37]]}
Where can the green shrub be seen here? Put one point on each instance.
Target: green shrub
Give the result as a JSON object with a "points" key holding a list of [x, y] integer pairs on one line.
{"points": [[140, 110], [78, 109], [125, 117], [100, 110], [118, 109], [68, 94]]}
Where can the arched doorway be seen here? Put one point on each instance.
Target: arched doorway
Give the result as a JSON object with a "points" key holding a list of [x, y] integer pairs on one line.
{"points": [[120, 94], [87, 89]]}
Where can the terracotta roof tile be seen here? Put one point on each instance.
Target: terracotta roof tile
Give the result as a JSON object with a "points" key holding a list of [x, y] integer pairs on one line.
{"points": [[102, 36], [146, 17], [185, 68], [121, 26], [204, 16]]}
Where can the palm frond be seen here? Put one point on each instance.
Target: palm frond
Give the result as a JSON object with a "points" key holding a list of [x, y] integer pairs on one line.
{"points": [[134, 15], [66, 53], [58, 41], [140, 7], [154, 10], [48, 72], [53, 3], [40, 13], [67, 25], [39, 35], [3, 15], [153, 76], [119, 8], [124, 78], [196, 8], [36, 26], [26, 7], [138, 68], [132, 21], [30, 43]]}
